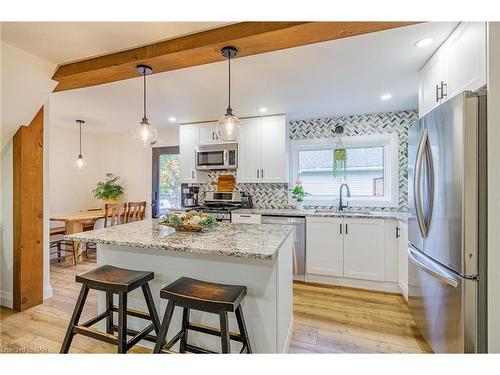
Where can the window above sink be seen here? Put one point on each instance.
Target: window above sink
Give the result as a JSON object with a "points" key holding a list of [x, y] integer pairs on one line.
{"points": [[371, 173]]}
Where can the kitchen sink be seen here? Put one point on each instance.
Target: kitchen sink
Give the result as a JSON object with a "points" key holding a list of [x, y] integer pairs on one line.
{"points": [[339, 212]]}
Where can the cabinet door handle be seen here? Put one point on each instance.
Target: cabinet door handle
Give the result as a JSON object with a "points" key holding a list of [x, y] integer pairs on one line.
{"points": [[346, 228], [257, 173], [192, 174], [397, 232], [444, 90], [261, 173], [437, 93], [213, 135], [340, 227]]}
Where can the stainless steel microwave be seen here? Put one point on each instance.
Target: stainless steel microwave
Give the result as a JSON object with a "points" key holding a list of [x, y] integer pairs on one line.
{"points": [[217, 156]]}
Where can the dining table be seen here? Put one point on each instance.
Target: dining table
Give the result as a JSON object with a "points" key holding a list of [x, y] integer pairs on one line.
{"points": [[74, 223]]}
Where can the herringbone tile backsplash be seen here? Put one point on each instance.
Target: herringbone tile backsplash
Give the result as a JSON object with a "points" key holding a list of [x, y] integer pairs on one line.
{"points": [[276, 195]]}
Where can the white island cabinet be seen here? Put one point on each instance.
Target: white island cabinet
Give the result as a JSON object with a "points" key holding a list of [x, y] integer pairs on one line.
{"points": [[256, 256]]}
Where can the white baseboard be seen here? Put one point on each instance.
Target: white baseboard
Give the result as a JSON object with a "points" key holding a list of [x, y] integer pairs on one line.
{"points": [[47, 291], [288, 340], [404, 290], [382, 286], [6, 299]]}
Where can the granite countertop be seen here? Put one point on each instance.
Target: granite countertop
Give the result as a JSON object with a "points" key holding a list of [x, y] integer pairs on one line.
{"points": [[391, 215], [228, 239]]}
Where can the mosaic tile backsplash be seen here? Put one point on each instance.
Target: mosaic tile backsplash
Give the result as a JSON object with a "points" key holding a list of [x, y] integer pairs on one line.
{"points": [[277, 195]]}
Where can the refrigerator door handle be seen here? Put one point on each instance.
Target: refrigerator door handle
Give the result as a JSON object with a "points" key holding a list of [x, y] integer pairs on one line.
{"points": [[432, 269], [417, 181], [430, 188]]}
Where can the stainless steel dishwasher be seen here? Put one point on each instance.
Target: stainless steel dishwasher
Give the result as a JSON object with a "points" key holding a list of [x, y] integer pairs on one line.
{"points": [[299, 241]]}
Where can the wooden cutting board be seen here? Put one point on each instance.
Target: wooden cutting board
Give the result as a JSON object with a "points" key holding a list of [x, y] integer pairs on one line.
{"points": [[226, 183]]}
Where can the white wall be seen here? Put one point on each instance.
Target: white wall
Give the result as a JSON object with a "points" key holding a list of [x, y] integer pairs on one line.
{"points": [[70, 189], [25, 86], [493, 187]]}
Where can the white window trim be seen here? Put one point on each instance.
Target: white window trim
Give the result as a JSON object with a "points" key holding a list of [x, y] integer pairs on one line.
{"points": [[391, 168]]}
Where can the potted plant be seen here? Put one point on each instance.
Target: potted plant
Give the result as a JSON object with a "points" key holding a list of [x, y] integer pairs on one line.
{"points": [[299, 194], [109, 190]]}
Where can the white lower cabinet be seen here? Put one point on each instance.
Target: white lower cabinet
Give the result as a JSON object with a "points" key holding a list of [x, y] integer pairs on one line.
{"points": [[355, 252], [364, 249], [324, 246], [403, 258], [246, 218]]}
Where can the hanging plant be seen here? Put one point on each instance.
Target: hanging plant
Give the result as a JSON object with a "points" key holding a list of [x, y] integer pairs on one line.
{"points": [[340, 161]]}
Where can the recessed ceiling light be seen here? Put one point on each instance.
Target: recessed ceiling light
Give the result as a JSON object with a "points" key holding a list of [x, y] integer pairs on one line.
{"points": [[262, 110], [386, 97], [172, 119], [424, 42]]}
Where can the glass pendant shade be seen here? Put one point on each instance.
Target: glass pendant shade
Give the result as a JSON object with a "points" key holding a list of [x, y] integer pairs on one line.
{"points": [[144, 134], [229, 126], [80, 162]]}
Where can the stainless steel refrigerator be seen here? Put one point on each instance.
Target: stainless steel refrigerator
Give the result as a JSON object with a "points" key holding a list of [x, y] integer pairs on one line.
{"points": [[447, 225]]}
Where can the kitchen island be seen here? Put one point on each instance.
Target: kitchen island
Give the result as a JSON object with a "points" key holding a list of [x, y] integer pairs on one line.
{"points": [[256, 256]]}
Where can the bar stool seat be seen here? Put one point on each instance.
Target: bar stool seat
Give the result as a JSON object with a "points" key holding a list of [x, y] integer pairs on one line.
{"points": [[192, 294], [114, 280]]}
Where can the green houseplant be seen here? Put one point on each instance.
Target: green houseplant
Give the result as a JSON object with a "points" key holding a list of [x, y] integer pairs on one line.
{"points": [[109, 190], [298, 193]]}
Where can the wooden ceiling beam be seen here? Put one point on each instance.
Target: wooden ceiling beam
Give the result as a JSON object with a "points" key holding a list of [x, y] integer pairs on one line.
{"points": [[250, 38]]}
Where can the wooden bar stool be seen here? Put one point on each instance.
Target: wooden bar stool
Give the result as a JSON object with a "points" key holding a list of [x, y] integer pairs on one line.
{"points": [[192, 294], [114, 280]]}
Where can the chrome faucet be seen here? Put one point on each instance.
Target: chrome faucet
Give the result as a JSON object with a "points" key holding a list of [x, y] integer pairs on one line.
{"points": [[341, 204]]}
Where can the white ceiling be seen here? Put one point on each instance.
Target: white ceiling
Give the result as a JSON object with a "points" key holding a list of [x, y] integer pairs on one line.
{"points": [[63, 42], [342, 77]]}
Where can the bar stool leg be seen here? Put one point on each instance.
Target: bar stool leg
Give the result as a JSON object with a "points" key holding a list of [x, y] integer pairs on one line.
{"points": [[109, 318], [77, 312], [58, 252], [185, 322], [74, 253], [224, 332], [243, 329], [162, 336], [151, 308], [122, 323]]}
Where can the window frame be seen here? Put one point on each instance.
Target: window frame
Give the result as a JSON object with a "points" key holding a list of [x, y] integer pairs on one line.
{"points": [[155, 175], [391, 168]]}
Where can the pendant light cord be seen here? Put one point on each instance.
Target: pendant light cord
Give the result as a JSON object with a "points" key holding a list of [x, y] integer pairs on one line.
{"points": [[229, 81], [80, 138], [144, 73]]}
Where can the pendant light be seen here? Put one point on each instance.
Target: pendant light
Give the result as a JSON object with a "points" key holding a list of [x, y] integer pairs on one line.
{"points": [[145, 134], [228, 127], [80, 162]]}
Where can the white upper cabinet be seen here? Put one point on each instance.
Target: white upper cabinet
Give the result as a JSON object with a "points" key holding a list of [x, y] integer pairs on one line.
{"points": [[187, 142], [249, 151], [325, 246], [206, 133], [262, 154], [273, 151], [458, 65], [467, 58], [364, 250]]}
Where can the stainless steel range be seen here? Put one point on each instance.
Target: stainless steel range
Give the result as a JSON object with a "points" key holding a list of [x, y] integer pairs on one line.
{"points": [[220, 204]]}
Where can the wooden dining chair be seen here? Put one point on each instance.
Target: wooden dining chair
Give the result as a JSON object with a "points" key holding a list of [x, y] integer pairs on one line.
{"points": [[135, 211], [114, 214]]}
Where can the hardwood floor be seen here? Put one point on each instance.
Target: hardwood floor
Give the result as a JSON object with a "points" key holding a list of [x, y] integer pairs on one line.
{"points": [[326, 320]]}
